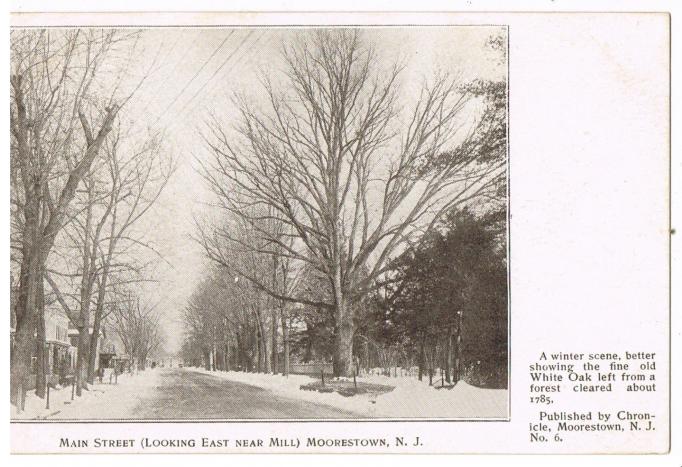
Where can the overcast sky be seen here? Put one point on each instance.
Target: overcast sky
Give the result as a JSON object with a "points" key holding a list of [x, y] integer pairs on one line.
{"points": [[197, 72]]}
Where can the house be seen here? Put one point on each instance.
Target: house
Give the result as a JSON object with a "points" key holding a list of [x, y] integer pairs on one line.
{"points": [[61, 354], [109, 351]]}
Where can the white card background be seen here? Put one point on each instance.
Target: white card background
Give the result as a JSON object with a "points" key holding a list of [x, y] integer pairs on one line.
{"points": [[589, 185]]}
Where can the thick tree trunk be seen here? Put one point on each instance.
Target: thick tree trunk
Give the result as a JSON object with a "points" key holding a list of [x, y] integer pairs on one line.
{"points": [[368, 357], [285, 339], [97, 324], [94, 340], [82, 358], [343, 338], [26, 308], [422, 357], [273, 343], [23, 348], [241, 362], [243, 349], [41, 354], [226, 347], [264, 362], [207, 360], [448, 356], [257, 355], [457, 357], [85, 295], [32, 258]]}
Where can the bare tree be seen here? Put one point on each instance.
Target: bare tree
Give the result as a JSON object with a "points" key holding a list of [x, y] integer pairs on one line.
{"points": [[137, 325], [227, 317], [218, 316], [350, 173], [121, 187], [136, 180], [58, 125]]}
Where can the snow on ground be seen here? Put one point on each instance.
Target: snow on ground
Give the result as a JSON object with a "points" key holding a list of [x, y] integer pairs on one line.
{"points": [[411, 398], [102, 402], [414, 398]]}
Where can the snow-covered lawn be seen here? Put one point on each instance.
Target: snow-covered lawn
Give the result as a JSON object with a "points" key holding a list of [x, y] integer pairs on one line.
{"points": [[414, 398], [411, 398], [102, 402]]}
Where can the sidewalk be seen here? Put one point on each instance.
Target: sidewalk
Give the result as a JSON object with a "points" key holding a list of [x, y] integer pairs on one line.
{"points": [[102, 400]]}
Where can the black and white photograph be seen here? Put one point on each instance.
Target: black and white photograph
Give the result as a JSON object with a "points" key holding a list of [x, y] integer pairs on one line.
{"points": [[267, 223]]}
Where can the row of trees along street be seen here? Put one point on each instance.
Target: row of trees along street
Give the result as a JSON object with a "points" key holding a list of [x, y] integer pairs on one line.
{"points": [[355, 221], [82, 177]]}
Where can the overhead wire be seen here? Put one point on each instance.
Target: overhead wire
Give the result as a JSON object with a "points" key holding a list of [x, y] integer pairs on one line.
{"points": [[196, 74]]}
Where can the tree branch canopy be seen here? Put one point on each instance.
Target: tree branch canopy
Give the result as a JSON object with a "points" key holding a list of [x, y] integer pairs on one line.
{"points": [[337, 158]]}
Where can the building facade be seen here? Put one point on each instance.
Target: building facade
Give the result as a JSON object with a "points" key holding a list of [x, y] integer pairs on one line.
{"points": [[61, 354]]}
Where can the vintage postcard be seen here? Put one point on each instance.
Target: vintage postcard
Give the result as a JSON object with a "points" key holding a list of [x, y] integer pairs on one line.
{"points": [[418, 233]]}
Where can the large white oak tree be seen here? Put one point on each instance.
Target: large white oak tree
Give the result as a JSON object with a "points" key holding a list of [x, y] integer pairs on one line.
{"points": [[351, 166]]}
